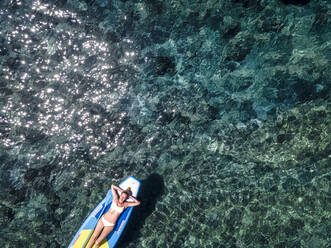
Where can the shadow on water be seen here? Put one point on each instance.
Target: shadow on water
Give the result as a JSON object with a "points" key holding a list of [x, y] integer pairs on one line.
{"points": [[150, 192]]}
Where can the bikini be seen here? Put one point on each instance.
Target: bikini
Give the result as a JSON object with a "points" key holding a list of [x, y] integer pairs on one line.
{"points": [[116, 209]]}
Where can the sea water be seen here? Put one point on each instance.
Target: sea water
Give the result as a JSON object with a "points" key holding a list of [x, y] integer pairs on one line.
{"points": [[221, 109]]}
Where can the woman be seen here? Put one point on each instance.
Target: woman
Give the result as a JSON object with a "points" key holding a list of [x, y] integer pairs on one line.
{"points": [[108, 220]]}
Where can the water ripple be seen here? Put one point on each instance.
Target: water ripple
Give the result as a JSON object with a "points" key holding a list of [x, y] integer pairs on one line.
{"points": [[62, 81]]}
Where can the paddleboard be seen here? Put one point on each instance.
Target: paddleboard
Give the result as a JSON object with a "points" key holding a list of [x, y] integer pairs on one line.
{"points": [[85, 232]]}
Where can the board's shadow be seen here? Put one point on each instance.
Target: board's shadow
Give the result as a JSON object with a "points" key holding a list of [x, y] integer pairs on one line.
{"points": [[151, 190]]}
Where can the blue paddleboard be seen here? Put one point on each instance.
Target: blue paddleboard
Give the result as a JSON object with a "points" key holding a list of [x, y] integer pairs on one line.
{"points": [[85, 232]]}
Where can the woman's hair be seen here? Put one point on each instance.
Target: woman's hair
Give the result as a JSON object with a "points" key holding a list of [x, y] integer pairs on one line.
{"points": [[127, 191]]}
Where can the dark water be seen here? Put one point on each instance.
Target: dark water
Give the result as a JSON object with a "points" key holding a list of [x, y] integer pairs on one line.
{"points": [[221, 108]]}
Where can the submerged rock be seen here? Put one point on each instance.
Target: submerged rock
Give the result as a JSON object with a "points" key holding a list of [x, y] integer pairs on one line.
{"points": [[6, 215], [229, 27], [38, 178], [165, 65], [238, 47]]}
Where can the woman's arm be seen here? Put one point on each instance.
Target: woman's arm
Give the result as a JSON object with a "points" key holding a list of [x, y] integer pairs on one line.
{"points": [[116, 188], [113, 190], [134, 203]]}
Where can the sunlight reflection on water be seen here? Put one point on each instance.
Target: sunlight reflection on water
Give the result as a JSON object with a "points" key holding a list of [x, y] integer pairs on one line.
{"points": [[61, 82]]}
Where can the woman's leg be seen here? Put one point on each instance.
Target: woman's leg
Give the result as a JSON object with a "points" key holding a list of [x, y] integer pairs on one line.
{"points": [[103, 235], [96, 233]]}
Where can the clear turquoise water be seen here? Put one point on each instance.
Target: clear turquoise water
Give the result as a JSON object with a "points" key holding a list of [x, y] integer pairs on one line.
{"points": [[221, 109]]}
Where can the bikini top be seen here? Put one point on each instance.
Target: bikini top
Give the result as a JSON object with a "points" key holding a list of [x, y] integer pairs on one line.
{"points": [[116, 208]]}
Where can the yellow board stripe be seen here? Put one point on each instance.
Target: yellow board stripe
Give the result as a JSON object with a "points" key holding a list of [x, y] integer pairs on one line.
{"points": [[84, 235], [84, 238], [104, 244]]}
